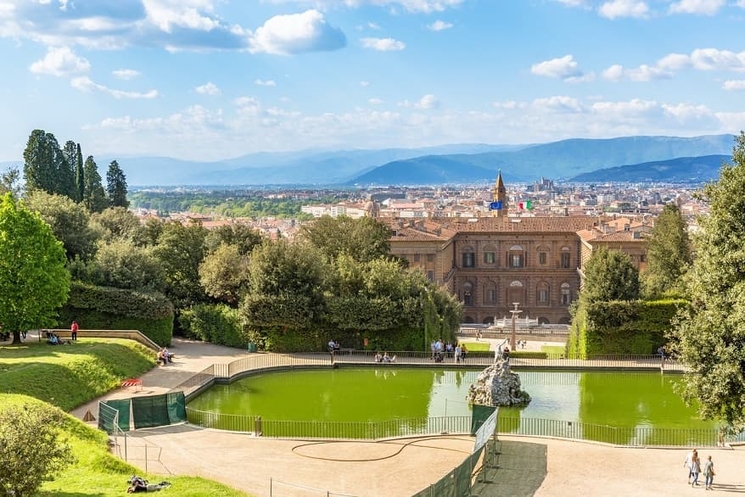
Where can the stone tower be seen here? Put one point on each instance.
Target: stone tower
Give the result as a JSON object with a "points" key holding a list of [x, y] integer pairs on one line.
{"points": [[499, 194]]}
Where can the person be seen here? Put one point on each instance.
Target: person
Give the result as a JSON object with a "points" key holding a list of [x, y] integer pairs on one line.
{"points": [[663, 355], [688, 463], [695, 468], [479, 334], [463, 353], [52, 339], [506, 353], [332, 348], [458, 352], [449, 349], [74, 331], [138, 484], [164, 356], [387, 358], [378, 357], [708, 473]]}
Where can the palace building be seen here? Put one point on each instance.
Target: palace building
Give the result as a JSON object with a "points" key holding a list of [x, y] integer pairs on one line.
{"points": [[492, 262]]}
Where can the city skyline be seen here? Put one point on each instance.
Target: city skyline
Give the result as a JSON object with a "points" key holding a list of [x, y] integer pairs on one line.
{"points": [[205, 80]]}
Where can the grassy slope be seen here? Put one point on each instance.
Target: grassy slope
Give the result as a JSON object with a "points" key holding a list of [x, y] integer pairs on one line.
{"points": [[70, 375], [476, 346]]}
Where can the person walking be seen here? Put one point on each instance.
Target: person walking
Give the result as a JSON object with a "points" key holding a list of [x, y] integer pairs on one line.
{"points": [[688, 464], [708, 473], [74, 331], [695, 468]]}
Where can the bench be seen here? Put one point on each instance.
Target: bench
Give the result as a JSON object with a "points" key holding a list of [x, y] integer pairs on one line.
{"points": [[133, 382]]}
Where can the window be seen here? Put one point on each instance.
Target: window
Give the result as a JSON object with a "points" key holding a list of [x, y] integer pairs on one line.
{"points": [[516, 260], [642, 258], [431, 275], [468, 259], [542, 257], [565, 260], [467, 293], [490, 295], [516, 257], [542, 294], [430, 257], [566, 294], [489, 257], [417, 257]]}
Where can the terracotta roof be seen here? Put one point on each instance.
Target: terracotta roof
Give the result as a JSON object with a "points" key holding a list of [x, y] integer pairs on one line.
{"points": [[618, 236], [415, 235]]}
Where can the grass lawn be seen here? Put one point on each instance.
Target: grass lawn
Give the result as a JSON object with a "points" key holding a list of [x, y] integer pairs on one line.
{"points": [[476, 346], [67, 376], [553, 351]]}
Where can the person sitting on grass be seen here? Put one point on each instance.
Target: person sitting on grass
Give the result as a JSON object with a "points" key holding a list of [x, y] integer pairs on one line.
{"points": [[387, 358], [138, 484]]}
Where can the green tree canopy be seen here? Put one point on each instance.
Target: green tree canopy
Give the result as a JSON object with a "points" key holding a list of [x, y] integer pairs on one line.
{"points": [[363, 239], [668, 254], [610, 275], [68, 185], [45, 167], [69, 222], [116, 186], [79, 175], [33, 279], [94, 196], [181, 250], [242, 236], [710, 334], [117, 223], [122, 264], [224, 273]]}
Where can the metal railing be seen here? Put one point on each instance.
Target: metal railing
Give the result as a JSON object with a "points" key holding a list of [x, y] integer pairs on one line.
{"points": [[135, 335]]}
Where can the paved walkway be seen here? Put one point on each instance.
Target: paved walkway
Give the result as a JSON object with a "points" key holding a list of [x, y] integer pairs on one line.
{"points": [[388, 469]]}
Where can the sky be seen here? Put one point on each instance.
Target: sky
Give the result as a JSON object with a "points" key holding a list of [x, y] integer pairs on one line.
{"points": [[215, 79]]}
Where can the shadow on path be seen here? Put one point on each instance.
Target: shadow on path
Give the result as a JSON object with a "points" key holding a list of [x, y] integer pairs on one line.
{"points": [[512, 468]]}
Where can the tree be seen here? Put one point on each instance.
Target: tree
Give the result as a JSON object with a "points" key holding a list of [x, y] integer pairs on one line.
{"points": [[68, 184], [181, 250], [709, 335], [610, 275], [44, 164], [10, 182], [122, 264], [224, 273], [116, 186], [33, 279], [31, 451], [79, 175], [94, 196], [70, 222], [243, 236], [117, 223], [668, 254], [363, 239]]}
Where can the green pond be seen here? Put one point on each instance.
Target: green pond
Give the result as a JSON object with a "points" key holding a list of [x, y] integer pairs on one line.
{"points": [[619, 406]]}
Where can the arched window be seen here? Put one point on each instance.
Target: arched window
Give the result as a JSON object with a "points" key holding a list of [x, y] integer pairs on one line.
{"points": [[467, 293], [566, 294], [468, 320], [543, 320], [468, 257], [542, 294], [566, 257], [490, 255], [516, 293], [543, 253], [516, 257]]}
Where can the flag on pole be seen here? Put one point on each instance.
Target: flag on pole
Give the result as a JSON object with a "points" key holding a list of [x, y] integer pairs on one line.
{"points": [[495, 206]]}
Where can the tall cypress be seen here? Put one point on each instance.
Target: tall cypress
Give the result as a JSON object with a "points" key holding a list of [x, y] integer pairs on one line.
{"points": [[94, 196], [79, 175], [66, 171], [116, 186]]}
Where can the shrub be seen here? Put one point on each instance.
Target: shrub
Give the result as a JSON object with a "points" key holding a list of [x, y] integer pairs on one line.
{"points": [[31, 451], [215, 323]]}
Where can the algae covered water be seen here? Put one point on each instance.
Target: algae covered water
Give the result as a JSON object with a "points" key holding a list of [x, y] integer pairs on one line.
{"points": [[618, 399]]}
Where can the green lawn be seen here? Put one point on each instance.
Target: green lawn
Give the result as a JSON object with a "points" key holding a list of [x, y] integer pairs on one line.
{"points": [[67, 376], [476, 346], [554, 351]]}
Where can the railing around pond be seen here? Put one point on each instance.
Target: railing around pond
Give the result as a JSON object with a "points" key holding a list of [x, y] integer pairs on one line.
{"points": [[640, 436]]}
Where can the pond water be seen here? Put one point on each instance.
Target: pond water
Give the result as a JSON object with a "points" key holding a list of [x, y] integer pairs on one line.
{"points": [[628, 399]]}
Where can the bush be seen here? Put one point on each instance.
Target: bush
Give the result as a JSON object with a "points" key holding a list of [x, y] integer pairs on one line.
{"points": [[215, 323], [31, 451], [97, 307]]}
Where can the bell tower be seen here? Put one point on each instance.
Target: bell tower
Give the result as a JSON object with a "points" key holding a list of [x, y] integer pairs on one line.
{"points": [[499, 197]]}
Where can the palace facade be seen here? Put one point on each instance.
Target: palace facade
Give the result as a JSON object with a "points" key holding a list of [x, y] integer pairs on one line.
{"points": [[491, 263]]}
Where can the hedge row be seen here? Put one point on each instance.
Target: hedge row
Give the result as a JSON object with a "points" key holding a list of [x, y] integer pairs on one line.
{"points": [[218, 324], [96, 307], [621, 327]]}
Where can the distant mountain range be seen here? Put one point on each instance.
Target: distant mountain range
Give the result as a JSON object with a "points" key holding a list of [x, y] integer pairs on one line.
{"points": [[635, 158]]}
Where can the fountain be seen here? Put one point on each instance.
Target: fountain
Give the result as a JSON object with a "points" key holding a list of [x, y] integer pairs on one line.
{"points": [[497, 385]]}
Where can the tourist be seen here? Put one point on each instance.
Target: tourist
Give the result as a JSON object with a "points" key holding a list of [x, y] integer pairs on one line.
{"points": [[478, 335], [378, 357], [162, 357], [457, 353], [506, 353], [332, 348], [463, 352], [663, 355], [688, 463], [695, 468], [449, 349], [74, 330], [387, 358], [708, 473], [433, 348]]}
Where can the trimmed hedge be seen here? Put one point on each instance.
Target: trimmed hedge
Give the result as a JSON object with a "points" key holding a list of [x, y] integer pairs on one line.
{"points": [[280, 340], [621, 327], [216, 323], [98, 307]]}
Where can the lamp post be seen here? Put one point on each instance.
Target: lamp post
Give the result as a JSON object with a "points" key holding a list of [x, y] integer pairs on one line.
{"points": [[514, 312]]}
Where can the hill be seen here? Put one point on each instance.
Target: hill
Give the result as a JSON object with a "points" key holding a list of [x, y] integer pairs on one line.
{"points": [[680, 170], [560, 159]]}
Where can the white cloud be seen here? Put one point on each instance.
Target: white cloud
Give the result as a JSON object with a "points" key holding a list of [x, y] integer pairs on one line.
{"points": [[559, 103], [418, 6], [296, 33], [364, 84], [125, 74], [704, 7], [191, 14], [374, 101], [372, 25], [647, 73], [439, 25], [711, 59], [624, 8], [85, 84], [383, 44], [60, 61], [265, 82], [209, 88], [425, 103], [734, 84], [562, 67]]}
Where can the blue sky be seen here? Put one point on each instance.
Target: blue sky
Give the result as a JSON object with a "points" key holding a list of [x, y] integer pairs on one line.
{"points": [[212, 79]]}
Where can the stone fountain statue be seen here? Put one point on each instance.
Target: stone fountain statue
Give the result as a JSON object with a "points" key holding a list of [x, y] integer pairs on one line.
{"points": [[497, 385]]}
